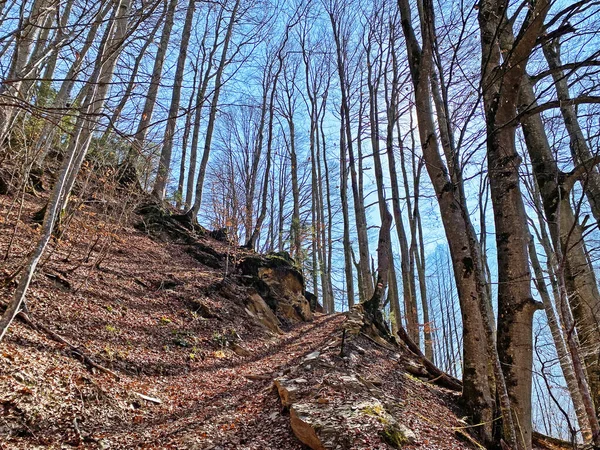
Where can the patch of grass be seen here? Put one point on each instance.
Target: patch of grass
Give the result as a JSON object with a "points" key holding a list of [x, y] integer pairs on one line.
{"points": [[111, 329]]}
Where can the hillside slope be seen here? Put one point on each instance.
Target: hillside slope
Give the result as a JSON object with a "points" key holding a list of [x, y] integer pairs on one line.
{"points": [[189, 360]]}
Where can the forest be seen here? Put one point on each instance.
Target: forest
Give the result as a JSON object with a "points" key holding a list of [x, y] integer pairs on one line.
{"points": [[435, 162]]}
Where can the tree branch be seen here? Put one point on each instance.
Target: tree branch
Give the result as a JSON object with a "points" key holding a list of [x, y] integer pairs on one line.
{"points": [[570, 178], [557, 104], [571, 67]]}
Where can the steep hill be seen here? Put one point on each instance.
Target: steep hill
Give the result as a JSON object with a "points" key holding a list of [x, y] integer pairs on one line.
{"points": [[141, 333]]}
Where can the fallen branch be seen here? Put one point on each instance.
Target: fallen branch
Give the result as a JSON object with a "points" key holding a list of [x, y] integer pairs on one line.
{"points": [[155, 400], [76, 351], [551, 443]]}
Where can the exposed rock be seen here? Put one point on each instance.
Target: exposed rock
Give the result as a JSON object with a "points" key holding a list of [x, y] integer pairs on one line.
{"points": [[204, 258], [311, 356], [334, 405], [280, 284], [323, 426], [313, 301], [258, 309], [161, 224], [287, 390], [304, 428], [221, 235]]}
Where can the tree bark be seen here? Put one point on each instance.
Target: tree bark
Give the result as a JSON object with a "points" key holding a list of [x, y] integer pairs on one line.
{"points": [[478, 348], [193, 212], [366, 278], [564, 358], [150, 102], [164, 165], [567, 236], [580, 150], [501, 78]]}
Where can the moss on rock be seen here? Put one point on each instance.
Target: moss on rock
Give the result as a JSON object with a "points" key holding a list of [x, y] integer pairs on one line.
{"points": [[394, 436]]}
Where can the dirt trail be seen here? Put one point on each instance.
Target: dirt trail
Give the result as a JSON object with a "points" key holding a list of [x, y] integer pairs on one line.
{"points": [[138, 309], [153, 314]]}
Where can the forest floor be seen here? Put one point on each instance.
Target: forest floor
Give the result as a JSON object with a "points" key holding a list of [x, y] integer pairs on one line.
{"points": [[148, 312]]}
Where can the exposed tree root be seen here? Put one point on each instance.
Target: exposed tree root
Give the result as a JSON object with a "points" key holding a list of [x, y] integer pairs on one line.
{"points": [[438, 376]]}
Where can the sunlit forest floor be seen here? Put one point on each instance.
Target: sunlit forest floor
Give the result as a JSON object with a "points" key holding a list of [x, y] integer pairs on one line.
{"points": [[148, 312]]}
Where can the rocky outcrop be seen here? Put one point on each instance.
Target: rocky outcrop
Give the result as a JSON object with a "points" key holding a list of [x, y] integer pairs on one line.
{"points": [[332, 408], [280, 284], [258, 309]]}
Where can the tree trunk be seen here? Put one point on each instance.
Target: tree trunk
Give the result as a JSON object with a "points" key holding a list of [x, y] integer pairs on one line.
{"points": [[365, 279], [159, 59], [125, 97], [501, 78], [478, 345], [45, 140], [200, 99], [193, 212], [564, 358], [580, 150], [349, 276], [567, 236], [374, 76], [164, 165]]}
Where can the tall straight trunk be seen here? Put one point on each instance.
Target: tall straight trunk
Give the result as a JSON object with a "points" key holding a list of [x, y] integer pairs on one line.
{"points": [[295, 230], [212, 118], [580, 150], [573, 345], [282, 197], [184, 145], [391, 98], [373, 80], [327, 238], [96, 90], [479, 354], [421, 272], [164, 164], [500, 80], [150, 102], [318, 224], [50, 66], [133, 79], [410, 308], [346, 216], [319, 259], [40, 53], [414, 249], [384, 261], [200, 99], [256, 157], [566, 235], [365, 278], [564, 358]]}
